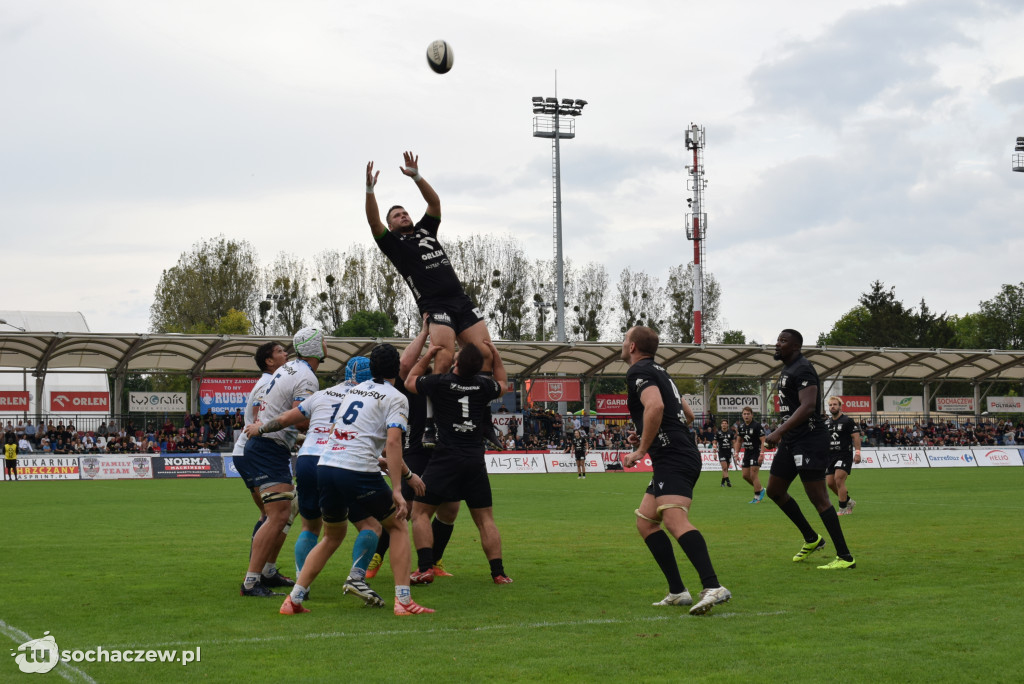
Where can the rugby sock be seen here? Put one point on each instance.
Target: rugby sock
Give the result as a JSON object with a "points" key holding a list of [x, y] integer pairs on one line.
{"points": [[383, 543], [497, 569], [303, 545], [424, 558], [251, 578], [696, 549], [269, 569], [299, 593], [842, 504], [403, 594], [661, 549], [442, 534], [362, 552], [831, 521], [792, 510]]}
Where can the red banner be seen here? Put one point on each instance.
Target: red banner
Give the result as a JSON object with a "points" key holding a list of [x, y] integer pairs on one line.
{"points": [[858, 404], [77, 402], [552, 390], [224, 395], [613, 404], [13, 401]]}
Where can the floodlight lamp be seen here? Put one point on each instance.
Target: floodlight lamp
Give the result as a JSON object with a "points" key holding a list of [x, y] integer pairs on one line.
{"points": [[538, 98], [551, 100], [581, 103], [567, 102]]}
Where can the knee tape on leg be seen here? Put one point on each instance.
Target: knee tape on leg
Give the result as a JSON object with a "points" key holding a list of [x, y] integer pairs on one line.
{"points": [[663, 507], [274, 497], [652, 520]]}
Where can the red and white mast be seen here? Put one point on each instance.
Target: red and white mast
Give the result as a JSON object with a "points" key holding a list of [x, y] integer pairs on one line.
{"points": [[696, 220]]}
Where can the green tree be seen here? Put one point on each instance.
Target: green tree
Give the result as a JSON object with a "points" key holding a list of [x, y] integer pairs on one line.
{"points": [[367, 324], [216, 275], [882, 320], [679, 294], [733, 337], [1000, 320]]}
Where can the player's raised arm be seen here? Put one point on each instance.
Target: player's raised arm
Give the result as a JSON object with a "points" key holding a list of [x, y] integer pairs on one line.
{"points": [[411, 354], [412, 169], [420, 368], [372, 210], [497, 366], [286, 419]]}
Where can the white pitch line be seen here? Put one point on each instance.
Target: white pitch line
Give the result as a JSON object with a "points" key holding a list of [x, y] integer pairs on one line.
{"points": [[68, 672], [441, 630]]}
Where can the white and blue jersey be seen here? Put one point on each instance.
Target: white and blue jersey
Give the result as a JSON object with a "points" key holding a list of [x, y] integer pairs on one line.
{"points": [[360, 430], [322, 409], [294, 381], [252, 407]]}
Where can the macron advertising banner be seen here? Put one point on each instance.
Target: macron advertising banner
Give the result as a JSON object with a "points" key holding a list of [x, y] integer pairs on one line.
{"points": [[190, 465], [124, 467]]}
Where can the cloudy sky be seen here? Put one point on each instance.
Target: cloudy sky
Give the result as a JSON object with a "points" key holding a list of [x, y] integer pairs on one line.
{"points": [[847, 141]]}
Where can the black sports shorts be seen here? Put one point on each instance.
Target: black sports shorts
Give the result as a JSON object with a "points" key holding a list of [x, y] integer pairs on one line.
{"points": [[806, 456], [675, 475], [458, 313], [456, 476]]}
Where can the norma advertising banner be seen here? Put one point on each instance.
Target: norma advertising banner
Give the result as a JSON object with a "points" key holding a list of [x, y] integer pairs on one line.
{"points": [[157, 402], [856, 403], [80, 402], [224, 395], [503, 423], [994, 456], [955, 404], [558, 462], [546, 389], [951, 458], [48, 468], [1006, 404], [892, 404], [13, 401], [116, 467], [734, 403], [905, 458], [516, 462], [191, 465], [612, 404]]}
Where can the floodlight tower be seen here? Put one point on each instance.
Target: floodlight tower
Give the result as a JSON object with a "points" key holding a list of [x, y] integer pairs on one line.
{"points": [[556, 120], [696, 221], [1018, 155]]}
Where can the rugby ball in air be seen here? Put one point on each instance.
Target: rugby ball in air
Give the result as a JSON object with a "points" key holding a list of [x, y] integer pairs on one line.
{"points": [[440, 56]]}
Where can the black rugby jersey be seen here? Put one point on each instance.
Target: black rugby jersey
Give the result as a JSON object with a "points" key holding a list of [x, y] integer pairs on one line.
{"points": [[579, 446], [417, 419], [422, 261], [751, 436], [673, 436], [795, 377], [724, 439], [461, 405], [841, 432]]}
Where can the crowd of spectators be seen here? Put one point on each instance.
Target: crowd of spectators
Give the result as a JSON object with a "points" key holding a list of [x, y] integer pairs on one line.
{"points": [[197, 434]]}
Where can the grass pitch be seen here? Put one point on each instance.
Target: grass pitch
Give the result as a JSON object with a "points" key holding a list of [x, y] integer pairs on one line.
{"points": [[936, 595]]}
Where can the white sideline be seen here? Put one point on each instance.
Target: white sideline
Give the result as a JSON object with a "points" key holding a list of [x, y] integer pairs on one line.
{"points": [[68, 672], [443, 630]]}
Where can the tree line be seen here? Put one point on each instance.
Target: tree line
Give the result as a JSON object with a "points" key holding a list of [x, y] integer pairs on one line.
{"points": [[220, 286]]}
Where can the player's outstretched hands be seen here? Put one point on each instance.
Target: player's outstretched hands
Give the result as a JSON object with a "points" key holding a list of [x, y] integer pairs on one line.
{"points": [[371, 177], [412, 164]]}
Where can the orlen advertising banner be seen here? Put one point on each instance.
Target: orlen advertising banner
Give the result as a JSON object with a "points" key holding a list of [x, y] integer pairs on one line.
{"points": [[116, 467], [905, 458], [955, 404], [997, 457], [503, 421], [158, 402], [190, 465], [614, 404], [559, 462], [855, 404], [13, 401], [516, 462], [951, 458], [79, 402], [903, 404], [734, 403], [224, 395], [546, 389], [1006, 405], [48, 468]]}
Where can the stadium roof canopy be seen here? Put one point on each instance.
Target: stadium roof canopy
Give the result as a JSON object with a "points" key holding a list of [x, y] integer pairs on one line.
{"points": [[208, 355]]}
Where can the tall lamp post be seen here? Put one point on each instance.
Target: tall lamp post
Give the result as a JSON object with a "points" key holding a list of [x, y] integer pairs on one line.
{"points": [[555, 119], [1018, 156]]}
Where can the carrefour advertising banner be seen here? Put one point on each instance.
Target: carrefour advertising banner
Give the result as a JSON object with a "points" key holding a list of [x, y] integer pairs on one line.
{"points": [[157, 402], [224, 395], [892, 404]]}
